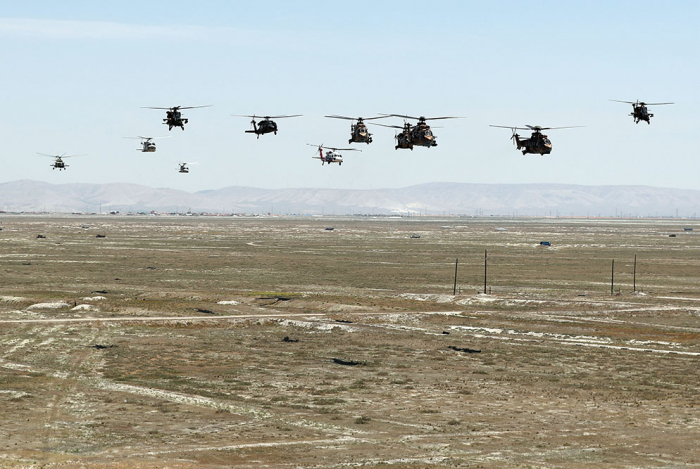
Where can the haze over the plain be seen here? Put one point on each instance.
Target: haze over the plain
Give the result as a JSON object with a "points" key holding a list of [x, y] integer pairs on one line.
{"points": [[77, 74]]}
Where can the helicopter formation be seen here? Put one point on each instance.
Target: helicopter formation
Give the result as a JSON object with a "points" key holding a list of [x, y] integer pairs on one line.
{"points": [[410, 135]]}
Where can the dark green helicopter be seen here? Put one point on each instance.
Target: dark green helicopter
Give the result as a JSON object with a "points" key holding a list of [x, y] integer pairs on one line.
{"points": [[538, 142]]}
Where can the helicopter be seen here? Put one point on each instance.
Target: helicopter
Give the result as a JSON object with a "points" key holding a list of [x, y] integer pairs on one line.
{"points": [[58, 163], [419, 134], [147, 146], [331, 156], [538, 142], [266, 125], [182, 167], [639, 110], [174, 116], [358, 129]]}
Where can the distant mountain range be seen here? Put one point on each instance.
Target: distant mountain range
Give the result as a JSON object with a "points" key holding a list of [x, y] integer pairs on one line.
{"points": [[424, 199]]}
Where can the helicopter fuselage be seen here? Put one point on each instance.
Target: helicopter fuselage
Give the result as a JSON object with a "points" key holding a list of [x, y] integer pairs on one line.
{"points": [[174, 119], [641, 113], [148, 147], [359, 134], [263, 127], [329, 157], [423, 136], [537, 143], [59, 164]]}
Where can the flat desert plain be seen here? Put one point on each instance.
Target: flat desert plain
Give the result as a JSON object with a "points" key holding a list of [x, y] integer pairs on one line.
{"points": [[188, 342]]}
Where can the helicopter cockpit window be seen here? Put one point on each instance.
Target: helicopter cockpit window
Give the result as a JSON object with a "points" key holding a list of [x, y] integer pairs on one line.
{"points": [[547, 142]]}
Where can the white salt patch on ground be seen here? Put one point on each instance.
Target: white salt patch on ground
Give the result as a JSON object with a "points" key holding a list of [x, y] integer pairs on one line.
{"points": [[231, 302], [11, 299], [94, 298], [428, 297], [315, 325], [56, 305], [85, 308], [14, 394]]}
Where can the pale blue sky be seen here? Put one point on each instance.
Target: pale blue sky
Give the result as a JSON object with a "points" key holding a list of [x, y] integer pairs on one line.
{"points": [[76, 74]]}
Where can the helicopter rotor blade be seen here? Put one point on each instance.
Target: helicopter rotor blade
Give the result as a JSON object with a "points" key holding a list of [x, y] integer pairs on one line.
{"points": [[628, 102], [438, 118], [192, 107], [399, 115], [422, 117], [507, 127], [283, 117], [390, 126], [657, 104], [556, 128], [356, 118]]}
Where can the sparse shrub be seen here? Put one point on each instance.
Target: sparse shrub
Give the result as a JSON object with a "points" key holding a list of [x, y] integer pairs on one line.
{"points": [[362, 420]]}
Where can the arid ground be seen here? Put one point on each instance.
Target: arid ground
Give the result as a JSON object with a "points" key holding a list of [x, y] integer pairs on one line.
{"points": [[189, 342]]}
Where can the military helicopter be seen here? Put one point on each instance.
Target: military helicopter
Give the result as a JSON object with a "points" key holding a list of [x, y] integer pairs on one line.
{"points": [[183, 167], [639, 110], [331, 156], [174, 116], [266, 125], [419, 134], [58, 163], [358, 129], [147, 146], [537, 143]]}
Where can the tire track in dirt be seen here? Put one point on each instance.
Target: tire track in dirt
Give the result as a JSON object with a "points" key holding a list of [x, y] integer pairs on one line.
{"points": [[267, 444]]}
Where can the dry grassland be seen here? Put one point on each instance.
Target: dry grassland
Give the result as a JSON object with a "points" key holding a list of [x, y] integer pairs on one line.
{"points": [[163, 344]]}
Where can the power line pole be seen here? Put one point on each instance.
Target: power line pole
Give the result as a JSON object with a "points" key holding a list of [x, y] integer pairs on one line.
{"points": [[612, 278], [454, 290], [486, 256]]}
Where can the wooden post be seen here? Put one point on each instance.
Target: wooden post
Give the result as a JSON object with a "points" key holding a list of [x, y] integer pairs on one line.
{"points": [[612, 278], [486, 257], [454, 290], [634, 277]]}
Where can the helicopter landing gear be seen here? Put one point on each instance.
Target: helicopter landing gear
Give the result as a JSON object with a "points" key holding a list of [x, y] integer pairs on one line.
{"points": [[350, 141], [275, 132]]}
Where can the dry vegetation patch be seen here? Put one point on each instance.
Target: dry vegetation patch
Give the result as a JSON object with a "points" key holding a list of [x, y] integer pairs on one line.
{"points": [[219, 342]]}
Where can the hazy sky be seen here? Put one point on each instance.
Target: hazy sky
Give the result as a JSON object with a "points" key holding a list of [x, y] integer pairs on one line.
{"points": [[76, 74]]}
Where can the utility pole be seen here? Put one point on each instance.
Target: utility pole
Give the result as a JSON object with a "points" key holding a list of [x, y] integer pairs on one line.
{"points": [[486, 256], [612, 278], [634, 277], [454, 290]]}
